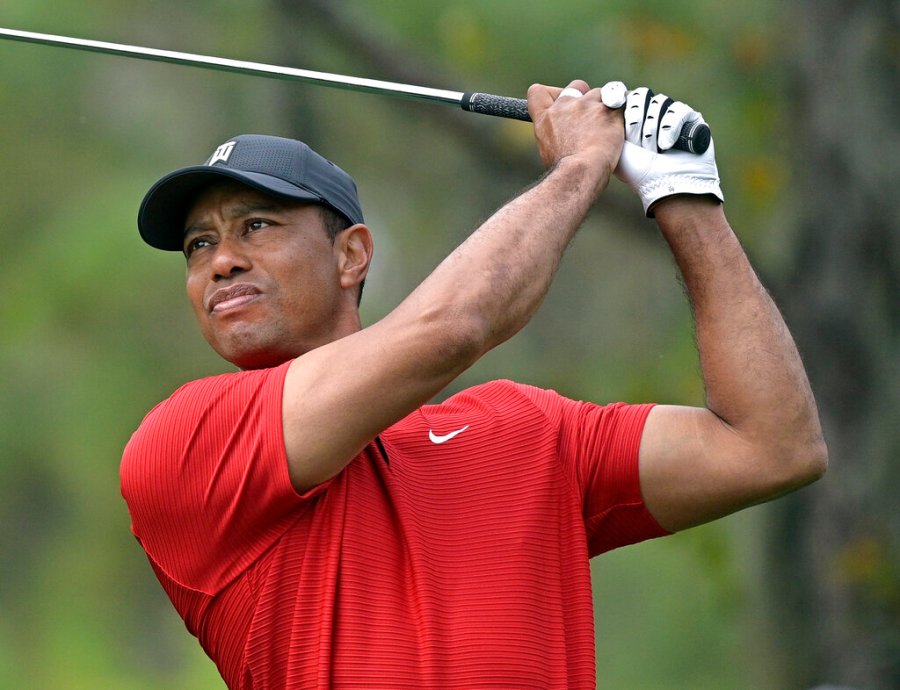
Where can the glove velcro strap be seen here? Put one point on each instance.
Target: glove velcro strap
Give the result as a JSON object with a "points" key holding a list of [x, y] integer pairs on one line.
{"points": [[670, 185]]}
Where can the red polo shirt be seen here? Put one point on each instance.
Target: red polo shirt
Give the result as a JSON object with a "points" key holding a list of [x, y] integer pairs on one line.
{"points": [[456, 558]]}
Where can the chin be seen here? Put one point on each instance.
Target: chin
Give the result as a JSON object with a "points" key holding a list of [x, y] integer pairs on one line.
{"points": [[253, 357], [250, 347], [258, 360]]}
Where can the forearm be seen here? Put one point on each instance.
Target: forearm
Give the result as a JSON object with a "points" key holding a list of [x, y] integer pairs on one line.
{"points": [[482, 294], [493, 283], [498, 277], [479, 296], [755, 381]]}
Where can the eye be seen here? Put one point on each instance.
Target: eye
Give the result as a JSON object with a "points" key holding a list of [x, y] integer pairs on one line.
{"points": [[196, 243], [256, 224]]}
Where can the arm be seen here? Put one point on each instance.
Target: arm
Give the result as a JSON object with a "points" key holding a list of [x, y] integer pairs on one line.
{"points": [[339, 396], [759, 435]]}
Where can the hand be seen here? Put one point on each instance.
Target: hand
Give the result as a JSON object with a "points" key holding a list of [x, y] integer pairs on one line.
{"points": [[648, 163], [573, 123]]}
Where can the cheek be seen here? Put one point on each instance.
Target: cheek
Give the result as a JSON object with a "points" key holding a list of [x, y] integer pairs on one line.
{"points": [[304, 274], [194, 290], [195, 294]]}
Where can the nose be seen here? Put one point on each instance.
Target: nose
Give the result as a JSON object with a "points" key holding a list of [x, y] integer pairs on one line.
{"points": [[229, 259]]}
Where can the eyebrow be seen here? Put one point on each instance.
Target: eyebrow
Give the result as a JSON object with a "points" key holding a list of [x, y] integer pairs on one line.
{"points": [[237, 210]]}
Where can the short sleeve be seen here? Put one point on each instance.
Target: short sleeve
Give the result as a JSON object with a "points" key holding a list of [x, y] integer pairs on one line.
{"points": [[598, 446], [206, 480]]}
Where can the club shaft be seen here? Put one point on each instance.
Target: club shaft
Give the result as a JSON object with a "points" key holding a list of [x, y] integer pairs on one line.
{"points": [[693, 138], [242, 67]]}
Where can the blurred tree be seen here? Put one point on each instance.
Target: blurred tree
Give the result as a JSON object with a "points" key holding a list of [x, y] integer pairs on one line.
{"points": [[834, 558], [96, 329]]}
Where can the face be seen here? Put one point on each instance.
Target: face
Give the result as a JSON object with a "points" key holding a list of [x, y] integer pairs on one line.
{"points": [[265, 280]]}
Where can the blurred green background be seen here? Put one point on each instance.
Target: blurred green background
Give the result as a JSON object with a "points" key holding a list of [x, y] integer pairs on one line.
{"points": [[801, 96]]}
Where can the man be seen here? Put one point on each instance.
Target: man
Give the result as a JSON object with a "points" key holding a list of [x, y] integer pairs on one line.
{"points": [[316, 523]]}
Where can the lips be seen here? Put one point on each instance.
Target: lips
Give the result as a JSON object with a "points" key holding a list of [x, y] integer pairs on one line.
{"points": [[231, 297]]}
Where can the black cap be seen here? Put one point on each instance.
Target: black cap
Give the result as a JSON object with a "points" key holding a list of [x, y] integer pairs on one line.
{"points": [[280, 167]]}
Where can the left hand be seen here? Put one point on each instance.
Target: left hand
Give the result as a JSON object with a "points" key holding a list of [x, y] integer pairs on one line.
{"points": [[650, 165]]}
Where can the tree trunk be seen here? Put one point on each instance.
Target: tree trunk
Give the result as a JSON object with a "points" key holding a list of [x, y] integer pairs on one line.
{"points": [[834, 556]]}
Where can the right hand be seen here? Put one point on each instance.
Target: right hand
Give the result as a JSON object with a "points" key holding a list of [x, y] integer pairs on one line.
{"points": [[583, 128]]}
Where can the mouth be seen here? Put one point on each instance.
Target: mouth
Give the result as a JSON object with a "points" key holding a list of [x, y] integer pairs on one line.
{"points": [[232, 297]]}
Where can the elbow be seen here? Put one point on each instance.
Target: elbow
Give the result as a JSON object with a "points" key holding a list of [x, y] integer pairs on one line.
{"points": [[798, 454], [812, 453], [458, 338], [467, 340], [801, 465], [817, 460], [809, 451]]}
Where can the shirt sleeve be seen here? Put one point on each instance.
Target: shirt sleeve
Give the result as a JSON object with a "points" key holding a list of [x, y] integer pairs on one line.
{"points": [[598, 446], [206, 480]]}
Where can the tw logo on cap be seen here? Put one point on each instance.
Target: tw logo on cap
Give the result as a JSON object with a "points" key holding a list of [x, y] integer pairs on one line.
{"points": [[223, 153]]}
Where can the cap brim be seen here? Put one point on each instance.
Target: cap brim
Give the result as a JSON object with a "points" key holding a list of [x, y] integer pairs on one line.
{"points": [[165, 207]]}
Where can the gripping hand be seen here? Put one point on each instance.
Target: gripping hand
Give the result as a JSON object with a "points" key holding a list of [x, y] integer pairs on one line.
{"points": [[649, 164]]}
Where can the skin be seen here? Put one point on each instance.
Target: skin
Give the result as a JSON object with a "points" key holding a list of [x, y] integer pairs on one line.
{"points": [[757, 437], [282, 273]]}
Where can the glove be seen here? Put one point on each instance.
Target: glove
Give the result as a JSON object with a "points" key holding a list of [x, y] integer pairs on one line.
{"points": [[648, 163]]}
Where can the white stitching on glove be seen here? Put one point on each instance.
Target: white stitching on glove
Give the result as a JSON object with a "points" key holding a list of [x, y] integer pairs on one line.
{"points": [[648, 163]]}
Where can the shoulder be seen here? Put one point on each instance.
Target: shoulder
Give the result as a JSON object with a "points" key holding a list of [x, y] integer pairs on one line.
{"points": [[503, 392], [205, 477], [200, 414], [523, 406], [507, 398], [492, 407], [503, 406], [234, 386], [231, 390]]}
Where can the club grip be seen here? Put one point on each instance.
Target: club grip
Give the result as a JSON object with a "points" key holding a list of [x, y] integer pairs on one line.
{"points": [[694, 138], [499, 106]]}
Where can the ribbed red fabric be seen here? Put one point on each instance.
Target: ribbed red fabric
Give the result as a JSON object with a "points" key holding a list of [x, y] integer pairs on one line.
{"points": [[460, 564]]}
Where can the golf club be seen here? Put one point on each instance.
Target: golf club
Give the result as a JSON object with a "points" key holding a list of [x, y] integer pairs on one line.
{"points": [[694, 137]]}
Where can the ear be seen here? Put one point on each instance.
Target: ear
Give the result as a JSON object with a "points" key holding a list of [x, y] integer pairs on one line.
{"points": [[354, 247]]}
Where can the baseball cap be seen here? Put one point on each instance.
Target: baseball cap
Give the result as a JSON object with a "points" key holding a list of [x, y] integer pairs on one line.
{"points": [[281, 167]]}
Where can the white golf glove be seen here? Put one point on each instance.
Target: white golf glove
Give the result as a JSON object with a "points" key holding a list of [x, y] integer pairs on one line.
{"points": [[649, 164]]}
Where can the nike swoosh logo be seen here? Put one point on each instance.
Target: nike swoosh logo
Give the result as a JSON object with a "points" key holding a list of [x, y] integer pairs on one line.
{"points": [[446, 437]]}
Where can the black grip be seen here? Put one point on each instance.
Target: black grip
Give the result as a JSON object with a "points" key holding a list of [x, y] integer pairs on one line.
{"points": [[694, 138], [499, 106]]}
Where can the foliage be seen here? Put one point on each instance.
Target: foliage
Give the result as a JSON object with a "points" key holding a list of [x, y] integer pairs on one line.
{"points": [[96, 328]]}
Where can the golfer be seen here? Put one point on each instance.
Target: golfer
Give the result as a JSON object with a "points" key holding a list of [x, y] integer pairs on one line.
{"points": [[317, 523]]}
